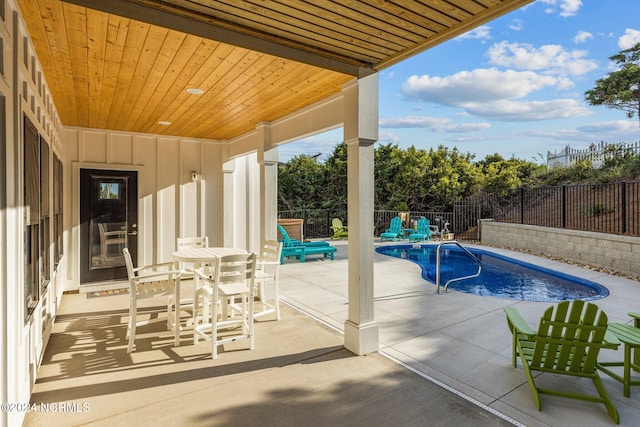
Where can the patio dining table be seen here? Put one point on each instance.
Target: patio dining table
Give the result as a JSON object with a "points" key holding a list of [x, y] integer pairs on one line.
{"points": [[197, 256]]}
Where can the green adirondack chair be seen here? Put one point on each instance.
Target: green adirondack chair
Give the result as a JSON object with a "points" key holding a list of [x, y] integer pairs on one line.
{"points": [[567, 342], [339, 230]]}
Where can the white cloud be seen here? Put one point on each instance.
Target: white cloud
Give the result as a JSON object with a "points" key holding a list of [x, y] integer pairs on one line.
{"points": [[436, 124], [492, 94], [387, 137], [618, 126], [516, 25], [512, 111], [551, 58], [482, 32], [479, 85], [567, 7], [582, 36], [630, 39]]}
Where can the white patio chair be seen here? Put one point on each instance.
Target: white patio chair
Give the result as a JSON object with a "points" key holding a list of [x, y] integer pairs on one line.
{"points": [[228, 280], [148, 282], [267, 273], [186, 303]]}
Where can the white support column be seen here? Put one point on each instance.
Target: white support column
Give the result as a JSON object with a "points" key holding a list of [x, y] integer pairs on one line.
{"points": [[360, 133], [268, 161], [229, 210]]}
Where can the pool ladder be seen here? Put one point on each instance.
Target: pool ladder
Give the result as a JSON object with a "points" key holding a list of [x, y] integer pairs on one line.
{"points": [[457, 279]]}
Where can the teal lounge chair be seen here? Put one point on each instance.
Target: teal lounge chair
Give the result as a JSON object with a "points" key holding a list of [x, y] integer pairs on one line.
{"points": [[339, 230], [300, 249], [394, 232], [422, 233]]}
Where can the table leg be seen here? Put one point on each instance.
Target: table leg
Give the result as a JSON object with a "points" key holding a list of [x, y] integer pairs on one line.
{"points": [[627, 370]]}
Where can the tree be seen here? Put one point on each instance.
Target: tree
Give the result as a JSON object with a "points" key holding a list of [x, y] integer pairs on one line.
{"points": [[620, 89]]}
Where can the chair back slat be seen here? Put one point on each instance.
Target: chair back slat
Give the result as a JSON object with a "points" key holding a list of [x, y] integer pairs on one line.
{"points": [[192, 242], [285, 237], [395, 226], [570, 340]]}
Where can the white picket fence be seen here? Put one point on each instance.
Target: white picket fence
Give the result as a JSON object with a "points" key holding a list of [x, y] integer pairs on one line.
{"points": [[595, 153]]}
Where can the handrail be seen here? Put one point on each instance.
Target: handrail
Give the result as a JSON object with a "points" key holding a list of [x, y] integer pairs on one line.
{"points": [[457, 279]]}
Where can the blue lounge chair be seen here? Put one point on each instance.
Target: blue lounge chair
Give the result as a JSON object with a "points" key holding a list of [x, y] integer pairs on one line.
{"points": [[300, 249], [394, 232], [422, 233]]}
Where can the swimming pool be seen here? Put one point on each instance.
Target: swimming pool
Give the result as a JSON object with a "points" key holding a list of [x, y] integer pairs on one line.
{"points": [[501, 276]]}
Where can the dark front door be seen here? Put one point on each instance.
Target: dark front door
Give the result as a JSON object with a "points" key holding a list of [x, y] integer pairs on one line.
{"points": [[108, 223]]}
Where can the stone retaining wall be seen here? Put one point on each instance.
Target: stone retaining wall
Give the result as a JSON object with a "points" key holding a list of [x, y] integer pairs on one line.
{"points": [[608, 251]]}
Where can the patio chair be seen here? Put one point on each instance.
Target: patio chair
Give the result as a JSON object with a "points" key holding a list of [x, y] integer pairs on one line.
{"points": [[187, 268], [300, 249], [567, 342], [225, 302], [339, 230], [268, 273], [423, 231], [394, 232], [148, 282]]}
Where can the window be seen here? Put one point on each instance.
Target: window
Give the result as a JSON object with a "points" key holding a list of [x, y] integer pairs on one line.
{"points": [[45, 222], [32, 214], [57, 210]]}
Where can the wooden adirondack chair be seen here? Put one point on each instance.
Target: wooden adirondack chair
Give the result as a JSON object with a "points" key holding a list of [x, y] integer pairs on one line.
{"points": [[339, 230], [423, 232], [567, 342], [394, 231]]}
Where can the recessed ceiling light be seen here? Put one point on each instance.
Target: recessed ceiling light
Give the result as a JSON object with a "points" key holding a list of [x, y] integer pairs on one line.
{"points": [[164, 123], [195, 91]]}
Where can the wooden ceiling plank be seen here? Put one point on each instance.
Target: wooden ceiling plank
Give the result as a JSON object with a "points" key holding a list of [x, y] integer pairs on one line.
{"points": [[76, 34], [96, 52], [211, 68], [217, 86], [49, 38], [236, 85], [171, 88], [285, 30], [233, 90], [278, 93], [135, 9], [158, 80], [416, 29], [131, 57], [310, 24], [365, 33], [117, 32]]}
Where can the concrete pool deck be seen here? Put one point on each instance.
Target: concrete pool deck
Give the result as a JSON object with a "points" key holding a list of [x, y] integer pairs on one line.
{"points": [[461, 340]]}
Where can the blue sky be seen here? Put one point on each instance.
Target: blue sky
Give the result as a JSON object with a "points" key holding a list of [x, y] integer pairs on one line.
{"points": [[514, 86]]}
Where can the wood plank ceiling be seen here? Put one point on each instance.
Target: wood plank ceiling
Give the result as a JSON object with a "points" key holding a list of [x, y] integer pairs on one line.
{"points": [[127, 64]]}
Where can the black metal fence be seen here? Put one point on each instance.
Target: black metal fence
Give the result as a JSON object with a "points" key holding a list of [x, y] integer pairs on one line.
{"points": [[317, 222], [604, 208]]}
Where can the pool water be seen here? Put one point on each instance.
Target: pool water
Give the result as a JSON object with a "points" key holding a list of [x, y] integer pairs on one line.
{"points": [[501, 276]]}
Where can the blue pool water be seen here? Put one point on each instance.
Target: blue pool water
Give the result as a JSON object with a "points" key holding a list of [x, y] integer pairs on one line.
{"points": [[501, 276]]}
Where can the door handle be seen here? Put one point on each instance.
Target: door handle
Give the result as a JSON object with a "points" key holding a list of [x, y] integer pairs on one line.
{"points": [[133, 233]]}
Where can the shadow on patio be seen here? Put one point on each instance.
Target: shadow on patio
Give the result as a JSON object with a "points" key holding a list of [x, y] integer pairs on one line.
{"points": [[298, 374]]}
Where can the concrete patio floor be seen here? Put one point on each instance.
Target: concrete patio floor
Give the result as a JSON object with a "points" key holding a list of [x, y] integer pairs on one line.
{"points": [[443, 360], [462, 340]]}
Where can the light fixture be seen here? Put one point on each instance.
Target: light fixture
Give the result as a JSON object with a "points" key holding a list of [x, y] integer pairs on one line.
{"points": [[164, 123], [195, 91]]}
